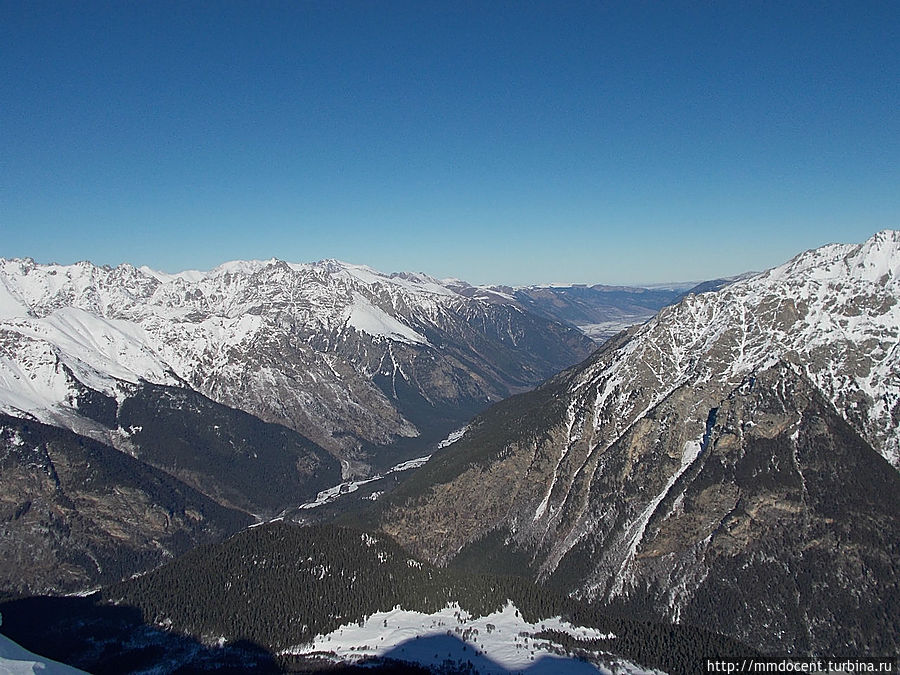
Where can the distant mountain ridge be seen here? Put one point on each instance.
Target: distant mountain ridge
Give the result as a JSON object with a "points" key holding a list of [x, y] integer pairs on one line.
{"points": [[599, 311], [352, 358]]}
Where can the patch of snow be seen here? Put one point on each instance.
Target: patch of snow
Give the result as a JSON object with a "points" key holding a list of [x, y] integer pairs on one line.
{"points": [[453, 437], [191, 276], [16, 660], [240, 267], [10, 306], [409, 464], [501, 642], [367, 318], [330, 494]]}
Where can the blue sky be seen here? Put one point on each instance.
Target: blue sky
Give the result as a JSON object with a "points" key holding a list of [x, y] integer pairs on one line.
{"points": [[519, 142]]}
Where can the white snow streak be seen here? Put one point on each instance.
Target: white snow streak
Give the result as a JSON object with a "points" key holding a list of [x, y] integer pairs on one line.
{"points": [[367, 318]]}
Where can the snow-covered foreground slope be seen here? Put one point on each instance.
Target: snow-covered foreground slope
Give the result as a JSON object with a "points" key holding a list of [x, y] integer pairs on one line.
{"points": [[16, 660], [346, 355], [502, 642]]}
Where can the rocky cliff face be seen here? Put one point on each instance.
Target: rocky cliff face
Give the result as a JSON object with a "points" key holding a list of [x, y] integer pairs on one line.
{"points": [[349, 357], [735, 435], [782, 531]]}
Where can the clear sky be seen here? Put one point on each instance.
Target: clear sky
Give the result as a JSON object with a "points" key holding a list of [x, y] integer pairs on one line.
{"points": [[515, 142]]}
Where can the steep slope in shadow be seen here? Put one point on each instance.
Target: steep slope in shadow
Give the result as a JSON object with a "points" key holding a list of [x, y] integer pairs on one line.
{"points": [[112, 639], [232, 456], [75, 512]]}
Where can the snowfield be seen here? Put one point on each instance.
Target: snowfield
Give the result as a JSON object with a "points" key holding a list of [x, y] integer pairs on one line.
{"points": [[502, 642]]}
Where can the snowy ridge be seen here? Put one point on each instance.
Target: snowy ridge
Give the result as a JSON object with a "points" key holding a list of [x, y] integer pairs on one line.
{"points": [[835, 309], [501, 642], [317, 294], [318, 334]]}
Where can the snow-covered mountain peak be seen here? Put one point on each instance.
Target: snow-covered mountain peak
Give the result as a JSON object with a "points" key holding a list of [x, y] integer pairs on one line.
{"points": [[411, 282], [872, 260], [835, 309], [725, 438], [241, 267], [191, 276]]}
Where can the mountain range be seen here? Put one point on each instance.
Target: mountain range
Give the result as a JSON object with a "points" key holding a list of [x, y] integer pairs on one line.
{"points": [[727, 461], [351, 358], [254, 386]]}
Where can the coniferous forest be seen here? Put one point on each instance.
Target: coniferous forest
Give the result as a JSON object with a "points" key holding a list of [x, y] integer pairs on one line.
{"points": [[280, 584]]}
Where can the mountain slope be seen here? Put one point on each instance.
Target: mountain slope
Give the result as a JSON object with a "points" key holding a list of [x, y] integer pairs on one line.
{"points": [[202, 381], [75, 513], [86, 511], [351, 358], [586, 481]]}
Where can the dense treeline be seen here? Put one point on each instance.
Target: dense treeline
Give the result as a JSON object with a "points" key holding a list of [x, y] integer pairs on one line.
{"points": [[280, 584]]}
